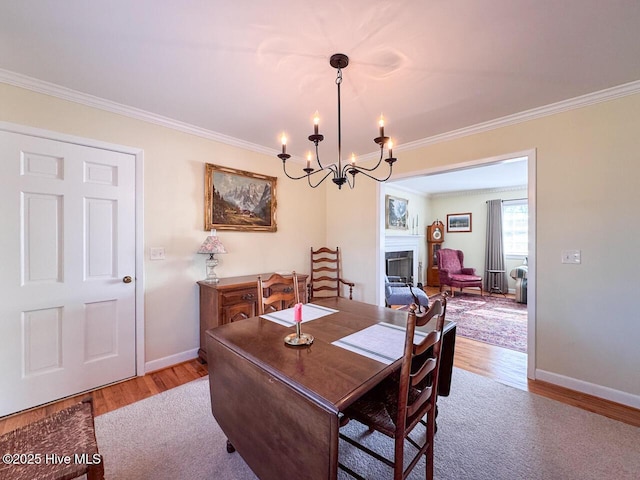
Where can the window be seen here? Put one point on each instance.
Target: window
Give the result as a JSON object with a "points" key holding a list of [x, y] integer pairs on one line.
{"points": [[515, 227]]}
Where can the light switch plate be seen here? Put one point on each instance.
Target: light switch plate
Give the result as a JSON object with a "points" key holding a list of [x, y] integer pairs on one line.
{"points": [[571, 256], [156, 253]]}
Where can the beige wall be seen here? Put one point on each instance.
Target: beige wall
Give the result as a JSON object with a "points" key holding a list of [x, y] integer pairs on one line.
{"points": [[174, 210], [350, 217], [588, 166]]}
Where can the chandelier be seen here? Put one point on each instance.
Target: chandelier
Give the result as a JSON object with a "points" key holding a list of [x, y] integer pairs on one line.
{"points": [[339, 171]]}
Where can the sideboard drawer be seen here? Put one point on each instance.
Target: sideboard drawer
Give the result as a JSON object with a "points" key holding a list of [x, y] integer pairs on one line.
{"points": [[232, 297]]}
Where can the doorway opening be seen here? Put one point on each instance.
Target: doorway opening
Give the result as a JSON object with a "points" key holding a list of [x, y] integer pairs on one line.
{"points": [[437, 204]]}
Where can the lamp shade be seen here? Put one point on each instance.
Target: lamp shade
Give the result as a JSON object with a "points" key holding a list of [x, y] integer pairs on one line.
{"points": [[212, 244]]}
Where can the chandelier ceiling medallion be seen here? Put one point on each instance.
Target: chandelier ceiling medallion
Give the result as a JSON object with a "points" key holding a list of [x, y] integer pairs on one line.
{"points": [[339, 170]]}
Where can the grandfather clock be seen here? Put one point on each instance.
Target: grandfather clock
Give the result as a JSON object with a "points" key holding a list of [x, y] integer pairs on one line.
{"points": [[435, 237]]}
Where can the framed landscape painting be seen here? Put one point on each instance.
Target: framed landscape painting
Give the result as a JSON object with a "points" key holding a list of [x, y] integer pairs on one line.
{"points": [[239, 200], [459, 222], [397, 213]]}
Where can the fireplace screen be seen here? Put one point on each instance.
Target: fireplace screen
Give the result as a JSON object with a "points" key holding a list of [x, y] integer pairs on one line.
{"points": [[400, 264]]}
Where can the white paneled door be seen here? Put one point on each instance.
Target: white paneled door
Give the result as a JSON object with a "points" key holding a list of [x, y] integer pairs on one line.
{"points": [[67, 269]]}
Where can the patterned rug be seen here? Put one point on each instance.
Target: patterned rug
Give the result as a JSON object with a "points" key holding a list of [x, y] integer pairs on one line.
{"points": [[495, 320]]}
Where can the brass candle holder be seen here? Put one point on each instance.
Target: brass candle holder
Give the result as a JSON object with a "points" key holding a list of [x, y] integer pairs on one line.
{"points": [[298, 339]]}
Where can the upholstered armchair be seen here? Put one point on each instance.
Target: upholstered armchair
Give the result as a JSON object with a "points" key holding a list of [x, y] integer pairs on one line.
{"points": [[452, 272], [519, 274], [397, 292]]}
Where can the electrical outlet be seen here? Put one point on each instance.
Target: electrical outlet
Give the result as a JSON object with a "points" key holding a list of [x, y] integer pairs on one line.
{"points": [[156, 253], [571, 256]]}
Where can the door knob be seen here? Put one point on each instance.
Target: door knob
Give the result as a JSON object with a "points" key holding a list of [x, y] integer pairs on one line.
{"points": [[127, 279]]}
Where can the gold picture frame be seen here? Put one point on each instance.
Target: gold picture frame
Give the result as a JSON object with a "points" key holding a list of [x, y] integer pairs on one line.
{"points": [[239, 200]]}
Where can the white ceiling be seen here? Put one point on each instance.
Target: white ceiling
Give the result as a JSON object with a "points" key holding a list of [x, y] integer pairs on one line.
{"points": [[251, 70], [506, 174]]}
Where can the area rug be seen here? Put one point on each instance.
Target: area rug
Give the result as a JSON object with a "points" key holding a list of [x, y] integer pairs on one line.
{"points": [[491, 319], [486, 431]]}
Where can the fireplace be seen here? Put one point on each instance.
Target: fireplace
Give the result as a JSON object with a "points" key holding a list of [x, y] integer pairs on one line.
{"points": [[400, 264], [402, 257]]}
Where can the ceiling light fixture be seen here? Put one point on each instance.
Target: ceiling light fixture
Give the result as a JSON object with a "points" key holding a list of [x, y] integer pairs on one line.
{"points": [[340, 172]]}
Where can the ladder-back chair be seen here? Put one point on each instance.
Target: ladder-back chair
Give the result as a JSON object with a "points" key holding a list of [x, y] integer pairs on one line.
{"points": [[398, 404], [325, 274]]}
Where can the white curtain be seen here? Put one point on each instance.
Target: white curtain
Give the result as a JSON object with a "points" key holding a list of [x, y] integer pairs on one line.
{"points": [[494, 257]]}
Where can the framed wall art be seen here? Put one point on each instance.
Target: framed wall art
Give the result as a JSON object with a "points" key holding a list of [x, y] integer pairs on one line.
{"points": [[459, 222], [396, 213], [239, 200]]}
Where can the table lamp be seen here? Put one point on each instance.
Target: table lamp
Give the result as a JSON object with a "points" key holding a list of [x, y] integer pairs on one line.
{"points": [[212, 245]]}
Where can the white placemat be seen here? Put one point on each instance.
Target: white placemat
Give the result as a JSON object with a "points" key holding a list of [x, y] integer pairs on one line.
{"points": [[310, 312], [383, 342]]}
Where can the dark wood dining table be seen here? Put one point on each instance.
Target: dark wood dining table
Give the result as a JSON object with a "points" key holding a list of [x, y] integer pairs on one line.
{"points": [[279, 405]]}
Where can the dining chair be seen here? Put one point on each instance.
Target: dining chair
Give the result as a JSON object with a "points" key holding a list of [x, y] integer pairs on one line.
{"points": [[398, 404], [277, 293], [325, 274]]}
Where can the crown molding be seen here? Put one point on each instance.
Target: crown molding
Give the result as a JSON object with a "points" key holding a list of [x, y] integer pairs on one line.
{"points": [[606, 95], [64, 93], [404, 188], [482, 191]]}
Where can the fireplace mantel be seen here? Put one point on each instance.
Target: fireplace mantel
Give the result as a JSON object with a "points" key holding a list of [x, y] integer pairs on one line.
{"points": [[397, 243]]}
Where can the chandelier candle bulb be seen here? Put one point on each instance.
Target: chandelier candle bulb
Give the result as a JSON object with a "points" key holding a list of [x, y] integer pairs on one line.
{"points": [[316, 121], [284, 143], [381, 123], [353, 159], [390, 149]]}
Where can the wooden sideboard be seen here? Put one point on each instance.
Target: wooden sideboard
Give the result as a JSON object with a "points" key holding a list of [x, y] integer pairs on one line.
{"points": [[231, 299]]}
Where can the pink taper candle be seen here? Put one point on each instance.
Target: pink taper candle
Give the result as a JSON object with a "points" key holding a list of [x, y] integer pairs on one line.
{"points": [[297, 312]]}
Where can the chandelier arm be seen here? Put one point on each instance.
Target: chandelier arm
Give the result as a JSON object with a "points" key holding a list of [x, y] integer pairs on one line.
{"points": [[307, 174], [351, 183], [364, 172], [321, 180], [365, 169], [284, 169], [318, 156]]}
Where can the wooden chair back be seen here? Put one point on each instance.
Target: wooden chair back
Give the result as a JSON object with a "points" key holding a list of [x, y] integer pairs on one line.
{"points": [[420, 368], [398, 404], [325, 274], [277, 293]]}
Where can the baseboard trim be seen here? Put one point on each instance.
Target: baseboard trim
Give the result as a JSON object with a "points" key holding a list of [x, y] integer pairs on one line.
{"points": [[599, 391], [170, 361]]}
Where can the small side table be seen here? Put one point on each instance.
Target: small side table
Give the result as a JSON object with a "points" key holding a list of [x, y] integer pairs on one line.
{"points": [[493, 281]]}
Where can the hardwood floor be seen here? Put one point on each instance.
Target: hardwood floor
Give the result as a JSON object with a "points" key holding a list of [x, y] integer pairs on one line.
{"points": [[115, 396], [505, 366]]}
